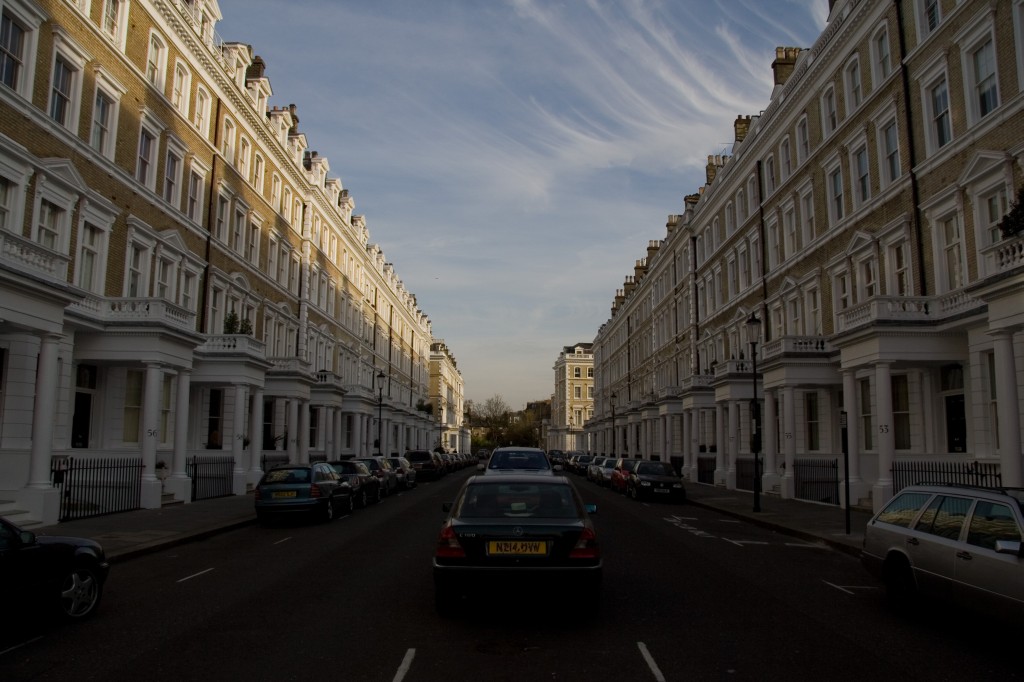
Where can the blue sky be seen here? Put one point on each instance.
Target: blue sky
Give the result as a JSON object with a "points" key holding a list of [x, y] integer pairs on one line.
{"points": [[514, 157]]}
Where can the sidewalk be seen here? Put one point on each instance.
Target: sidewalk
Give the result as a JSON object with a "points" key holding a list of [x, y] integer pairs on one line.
{"points": [[131, 534]]}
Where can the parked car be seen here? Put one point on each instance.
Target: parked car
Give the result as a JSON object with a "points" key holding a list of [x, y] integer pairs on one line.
{"points": [[405, 472], [315, 489], [556, 457], [591, 471], [655, 479], [48, 576], [510, 531], [951, 542], [620, 474], [365, 486], [580, 464], [603, 473], [428, 465], [517, 459], [381, 468]]}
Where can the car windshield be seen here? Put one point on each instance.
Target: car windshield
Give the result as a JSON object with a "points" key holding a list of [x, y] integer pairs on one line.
{"points": [[517, 500], [349, 467], [655, 469], [418, 456], [287, 476], [518, 460]]}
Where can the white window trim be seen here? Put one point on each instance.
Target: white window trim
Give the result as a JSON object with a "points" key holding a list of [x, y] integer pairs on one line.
{"points": [[921, 22], [854, 145], [1018, 40], [970, 37], [139, 233], [101, 217], [833, 164], [203, 115], [881, 120], [51, 188], [186, 94], [877, 77], [801, 155], [828, 129], [848, 85], [176, 148], [120, 37], [195, 166], [17, 171], [160, 83], [114, 91], [150, 124], [30, 17], [935, 214], [64, 46], [927, 78]]}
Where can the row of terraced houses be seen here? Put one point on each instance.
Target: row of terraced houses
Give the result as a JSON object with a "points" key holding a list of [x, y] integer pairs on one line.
{"points": [[842, 271], [182, 281]]}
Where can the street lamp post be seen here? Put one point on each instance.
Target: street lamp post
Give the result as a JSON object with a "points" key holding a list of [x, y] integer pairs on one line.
{"points": [[380, 407], [614, 444], [754, 325]]}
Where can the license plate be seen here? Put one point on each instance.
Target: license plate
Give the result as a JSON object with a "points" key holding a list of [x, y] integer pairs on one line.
{"points": [[517, 547], [285, 493], [662, 490]]}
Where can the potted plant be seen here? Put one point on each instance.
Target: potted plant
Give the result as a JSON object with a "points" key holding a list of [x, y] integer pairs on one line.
{"points": [[161, 470], [1012, 223], [231, 323]]}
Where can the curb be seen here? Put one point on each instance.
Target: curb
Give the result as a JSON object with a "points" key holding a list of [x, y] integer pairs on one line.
{"points": [[159, 545]]}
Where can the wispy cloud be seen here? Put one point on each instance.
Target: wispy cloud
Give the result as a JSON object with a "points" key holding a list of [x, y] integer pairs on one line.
{"points": [[514, 158]]}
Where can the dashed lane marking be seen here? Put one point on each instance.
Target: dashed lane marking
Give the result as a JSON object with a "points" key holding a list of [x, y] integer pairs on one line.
{"points": [[848, 588], [282, 540], [655, 670], [195, 575], [406, 664]]}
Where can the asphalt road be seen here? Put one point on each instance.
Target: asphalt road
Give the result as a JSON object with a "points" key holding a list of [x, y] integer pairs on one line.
{"points": [[688, 595]]}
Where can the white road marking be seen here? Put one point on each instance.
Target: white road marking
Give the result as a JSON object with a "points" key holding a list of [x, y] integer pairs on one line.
{"points": [[805, 544], [406, 664], [650, 662], [195, 575], [284, 540], [728, 520], [847, 589], [740, 543], [18, 646]]}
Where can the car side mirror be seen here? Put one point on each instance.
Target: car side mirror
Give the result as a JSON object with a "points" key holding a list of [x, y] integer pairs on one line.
{"points": [[27, 537], [591, 508], [480, 467], [1013, 547]]}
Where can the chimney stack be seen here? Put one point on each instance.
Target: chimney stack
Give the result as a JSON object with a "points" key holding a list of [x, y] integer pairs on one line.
{"points": [[785, 62]]}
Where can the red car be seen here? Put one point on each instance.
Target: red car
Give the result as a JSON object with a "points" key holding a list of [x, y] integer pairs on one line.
{"points": [[620, 474]]}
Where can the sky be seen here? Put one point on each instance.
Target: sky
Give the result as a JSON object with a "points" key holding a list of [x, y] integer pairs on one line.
{"points": [[513, 158]]}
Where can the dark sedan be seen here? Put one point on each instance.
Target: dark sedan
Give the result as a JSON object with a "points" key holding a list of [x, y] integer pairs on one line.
{"points": [[44, 575], [507, 532], [314, 489], [365, 486], [428, 464], [655, 480]]}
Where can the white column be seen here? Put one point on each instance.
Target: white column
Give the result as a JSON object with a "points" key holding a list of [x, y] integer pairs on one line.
{"points": [[769, 440], [238, 435], [43, 499], [732, 443], [256, 443], [721, 463], [304, 408], [179, 484], [882, 490], [293, 430], [1008, 408], [788, 489], [858, 488], [151, 486]]}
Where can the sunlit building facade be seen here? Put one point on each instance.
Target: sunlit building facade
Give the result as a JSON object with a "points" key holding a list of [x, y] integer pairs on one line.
{"points": [[447, 394], [572, 403], [180, 274], [842, 267]]}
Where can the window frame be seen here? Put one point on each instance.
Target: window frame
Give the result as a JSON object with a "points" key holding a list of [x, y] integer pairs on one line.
{"points": [[148, 127], [155, 72], [28, 17], [177, 150], [829, 111], [929, 79], [978, 33], [68, 52], [181, 94], [853, 83], [879, 58]]}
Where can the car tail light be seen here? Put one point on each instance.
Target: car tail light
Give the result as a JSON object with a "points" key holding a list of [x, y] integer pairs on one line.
{"points": [[586, 547], [448, 546], [314, 491]]}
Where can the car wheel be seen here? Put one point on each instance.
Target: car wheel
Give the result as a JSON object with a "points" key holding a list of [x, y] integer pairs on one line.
{"points": [[351, 503], [329, 510], [898, 577], [632, 492], [80, 593], [380, 495], [363, 498]]}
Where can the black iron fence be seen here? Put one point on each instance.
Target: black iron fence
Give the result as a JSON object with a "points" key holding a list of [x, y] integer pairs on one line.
{"points": [[96, 486], [816, 480], [212, 476], [745, 473], [705, 469], [908, 472]]}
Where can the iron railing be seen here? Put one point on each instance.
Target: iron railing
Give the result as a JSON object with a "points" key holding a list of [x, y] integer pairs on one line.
{"points": [[816, 480], [212, 476], [908, 472], [745, 473], [705, 469], [96, 486]]}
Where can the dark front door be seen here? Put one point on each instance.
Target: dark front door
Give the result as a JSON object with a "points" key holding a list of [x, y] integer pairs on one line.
{"points": [[81, 420], [956, 424]]}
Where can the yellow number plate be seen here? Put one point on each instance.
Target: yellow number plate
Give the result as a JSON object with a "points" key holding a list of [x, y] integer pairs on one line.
{"points": [[517, 547], [285, 493]]}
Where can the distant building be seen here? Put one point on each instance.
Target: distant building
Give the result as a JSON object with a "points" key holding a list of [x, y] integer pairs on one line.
{"points": [[856, 221], [573, 401], [180, 274], [447, 395]]}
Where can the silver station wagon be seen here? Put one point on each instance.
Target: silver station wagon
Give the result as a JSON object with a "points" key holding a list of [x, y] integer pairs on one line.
{"points": [[954, 542]]}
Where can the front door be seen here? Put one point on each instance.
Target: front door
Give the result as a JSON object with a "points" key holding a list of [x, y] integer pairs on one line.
{"points": [[956, 424], [81, 420]]}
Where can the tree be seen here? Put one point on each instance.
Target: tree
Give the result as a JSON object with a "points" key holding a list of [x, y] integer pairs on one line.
{"points": [[1012, 223]]}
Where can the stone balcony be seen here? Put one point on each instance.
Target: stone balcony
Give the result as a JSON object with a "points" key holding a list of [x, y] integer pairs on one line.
{"points": [[219, 345], [291, 365], [135, 312], [905, 309], [696, 381], [797, 346], [1003, 256], [32, 258]]}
